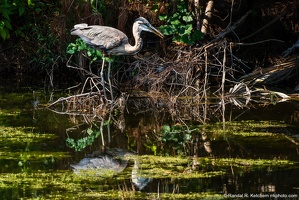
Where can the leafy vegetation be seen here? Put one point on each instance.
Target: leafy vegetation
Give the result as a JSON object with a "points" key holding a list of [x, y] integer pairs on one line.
{"points": [[92, 53], [176, 137], [7, 9], [33, 169], [180, 24], [83, 142]]}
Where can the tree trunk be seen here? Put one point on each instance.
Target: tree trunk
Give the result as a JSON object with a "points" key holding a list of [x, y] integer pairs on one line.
{"points": [[197, 13], [208, 16]]}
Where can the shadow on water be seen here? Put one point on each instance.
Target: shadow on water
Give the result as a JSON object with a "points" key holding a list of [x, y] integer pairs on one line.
{"points": [[147, 148]]}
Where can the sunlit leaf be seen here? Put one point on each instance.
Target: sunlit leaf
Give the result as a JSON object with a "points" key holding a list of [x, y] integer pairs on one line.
{"points": [[109, 59], [188, 137], [188, 29], [93, 59], [181, 30], [155, 8], [30, 3], [175, 22], [163, 17], [166, 129], [175, 16], [71, 48], [2, 24], [89, 131], [89, 53], [100, 55], [187, 18]]}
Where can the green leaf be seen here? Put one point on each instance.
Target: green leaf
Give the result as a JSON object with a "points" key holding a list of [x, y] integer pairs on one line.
{"points": [[188, 137], [6, 13], [81, 47], [89, 131], [70, 51], [4, 33], [7, 24], [2, 24], [197, 35], [188, 29], [165, 129], [187, 18], [163, 17], [181, 7], [176, 38], [93, 59], [175, 16], [30, 3], [99, 54], [175, 22], [38, 10], [70, 142], [181, 30], [21, 10], [167, 29], [109, 59], [97, 133], [185, 39], [89, 53], [20, 163], [71, 48], [154, 149], [155, 8]]}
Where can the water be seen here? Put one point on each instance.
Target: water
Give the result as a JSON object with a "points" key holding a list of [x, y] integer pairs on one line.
{"points": [[147, 151]]}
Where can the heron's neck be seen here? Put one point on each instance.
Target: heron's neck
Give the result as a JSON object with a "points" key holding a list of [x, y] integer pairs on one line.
{"points": [[138, 42]]}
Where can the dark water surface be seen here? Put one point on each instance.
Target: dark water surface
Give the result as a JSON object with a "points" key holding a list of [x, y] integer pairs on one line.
{"points": [[143, 152]]}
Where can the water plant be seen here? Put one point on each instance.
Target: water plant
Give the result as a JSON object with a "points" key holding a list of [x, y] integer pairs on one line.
{"points": [[82, 143]]}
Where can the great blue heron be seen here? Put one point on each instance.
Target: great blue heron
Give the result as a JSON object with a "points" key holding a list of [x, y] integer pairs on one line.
{"points": [[112, 41], [111, 162]]}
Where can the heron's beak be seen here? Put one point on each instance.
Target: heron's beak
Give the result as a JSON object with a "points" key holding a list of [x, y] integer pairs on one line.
{"points": [[158, 33], [72, 30], [150, 28]]}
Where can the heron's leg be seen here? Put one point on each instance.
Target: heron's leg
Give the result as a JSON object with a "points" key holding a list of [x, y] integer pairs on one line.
{"points": [[102, 77], [110, 86]]}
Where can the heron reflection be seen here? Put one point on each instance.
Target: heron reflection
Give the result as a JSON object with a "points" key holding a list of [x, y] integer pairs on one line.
{"points": [[112, 161]]}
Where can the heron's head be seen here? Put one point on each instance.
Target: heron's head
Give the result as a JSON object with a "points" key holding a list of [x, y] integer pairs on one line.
{"points": [[144, 25]]}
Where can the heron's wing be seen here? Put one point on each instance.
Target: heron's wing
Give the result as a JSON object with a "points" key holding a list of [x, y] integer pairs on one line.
{"points": [[102, 37]]}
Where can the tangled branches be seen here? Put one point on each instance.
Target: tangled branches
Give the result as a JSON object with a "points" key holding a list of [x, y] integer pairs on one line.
{"points": [[187, 73], [185, 83], [192, 84]]}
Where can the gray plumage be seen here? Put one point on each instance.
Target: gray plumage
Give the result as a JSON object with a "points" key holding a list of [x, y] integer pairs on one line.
{"points": [[112, 162], [113, 41]]}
